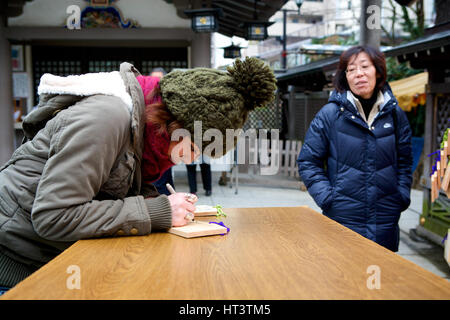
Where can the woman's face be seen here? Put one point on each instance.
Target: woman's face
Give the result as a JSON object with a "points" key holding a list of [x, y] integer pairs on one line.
{"points": [[184, 151], [361, 75]]}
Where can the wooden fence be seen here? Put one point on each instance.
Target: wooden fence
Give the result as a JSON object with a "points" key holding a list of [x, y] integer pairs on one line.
{"points": [[283, 161]]}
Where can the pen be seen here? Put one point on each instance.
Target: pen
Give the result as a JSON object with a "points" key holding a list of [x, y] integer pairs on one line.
{"points": [[189, 216], [170, 188]]}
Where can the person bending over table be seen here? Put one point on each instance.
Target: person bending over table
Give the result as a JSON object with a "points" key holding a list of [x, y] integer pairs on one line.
{"points": [[97, 142]]}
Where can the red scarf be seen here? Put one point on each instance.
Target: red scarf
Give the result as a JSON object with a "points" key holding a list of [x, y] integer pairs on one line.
{"points": [[155, 160]]}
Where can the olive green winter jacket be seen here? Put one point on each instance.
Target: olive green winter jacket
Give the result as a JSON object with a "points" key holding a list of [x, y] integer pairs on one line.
{"points": [[79, 175]]}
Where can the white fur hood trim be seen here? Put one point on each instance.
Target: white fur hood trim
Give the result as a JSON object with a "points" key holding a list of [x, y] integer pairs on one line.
{"points": [[108, 83]]}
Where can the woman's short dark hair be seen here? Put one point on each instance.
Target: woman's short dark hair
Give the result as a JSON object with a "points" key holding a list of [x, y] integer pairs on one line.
{"points": [[378, 60]]}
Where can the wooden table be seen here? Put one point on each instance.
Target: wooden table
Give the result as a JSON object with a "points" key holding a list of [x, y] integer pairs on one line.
{"points": [[270, 253]]}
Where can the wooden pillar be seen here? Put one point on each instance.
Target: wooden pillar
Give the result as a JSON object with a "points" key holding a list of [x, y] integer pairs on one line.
{"points": [[6, 110], [200, 53]]}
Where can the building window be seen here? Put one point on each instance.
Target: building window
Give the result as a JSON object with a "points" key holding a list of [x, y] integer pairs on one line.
{"points": [[340, 27], [311, 19], [64, 61]]}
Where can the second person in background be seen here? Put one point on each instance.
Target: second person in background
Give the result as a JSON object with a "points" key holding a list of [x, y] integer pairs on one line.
{"points": [[356, 158]]}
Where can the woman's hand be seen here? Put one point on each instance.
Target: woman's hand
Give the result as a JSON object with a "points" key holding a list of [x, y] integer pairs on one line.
{"points": [[180, 207]]}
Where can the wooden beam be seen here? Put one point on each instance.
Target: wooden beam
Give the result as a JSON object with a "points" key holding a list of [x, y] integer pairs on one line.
{"points": [[248, 5], [438, 88], [230, 30], [58, 33], [233, 21], [260, 3], [236, 11]]}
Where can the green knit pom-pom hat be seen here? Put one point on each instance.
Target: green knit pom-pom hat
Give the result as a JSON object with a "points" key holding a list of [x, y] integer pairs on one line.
{"points": [[220, 100]]}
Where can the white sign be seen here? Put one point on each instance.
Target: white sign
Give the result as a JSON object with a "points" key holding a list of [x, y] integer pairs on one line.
{"points": [[20, 84]]}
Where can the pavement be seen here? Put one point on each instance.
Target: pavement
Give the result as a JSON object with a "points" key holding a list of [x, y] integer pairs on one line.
{"points": [[276, 191]]}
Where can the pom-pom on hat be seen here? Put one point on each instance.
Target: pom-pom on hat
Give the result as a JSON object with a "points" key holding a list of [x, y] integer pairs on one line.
{"points": [[220, 100]]}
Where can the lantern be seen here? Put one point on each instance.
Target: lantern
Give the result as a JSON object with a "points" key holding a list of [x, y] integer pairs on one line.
{"points": [[204, 20]]}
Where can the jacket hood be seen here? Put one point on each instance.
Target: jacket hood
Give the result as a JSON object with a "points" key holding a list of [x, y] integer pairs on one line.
{"points": [[108, 83], [57, 93]]}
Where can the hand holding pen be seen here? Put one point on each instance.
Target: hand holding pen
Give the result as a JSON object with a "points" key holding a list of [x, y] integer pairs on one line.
{"points": [[182, 205]]}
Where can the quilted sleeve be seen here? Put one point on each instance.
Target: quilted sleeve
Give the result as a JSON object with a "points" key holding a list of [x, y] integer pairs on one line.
{"points": [[312, 158]]}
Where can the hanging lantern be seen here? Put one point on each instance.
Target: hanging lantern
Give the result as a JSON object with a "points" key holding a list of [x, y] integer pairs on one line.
{"points": [[256, 30], [204, 20], [232, 52]]}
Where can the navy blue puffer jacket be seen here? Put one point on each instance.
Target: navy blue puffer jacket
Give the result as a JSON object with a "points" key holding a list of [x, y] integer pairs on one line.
{"points": [[366, 182]]}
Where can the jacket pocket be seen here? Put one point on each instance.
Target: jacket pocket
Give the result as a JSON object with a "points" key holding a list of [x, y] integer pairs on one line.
{"points": [[7, 208], [404, 199], [7, 211], [327, 204], [121, 177]]}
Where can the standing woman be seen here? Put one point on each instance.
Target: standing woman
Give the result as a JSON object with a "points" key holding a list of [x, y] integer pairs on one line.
{"points": [[356, 159], [96, 143]]}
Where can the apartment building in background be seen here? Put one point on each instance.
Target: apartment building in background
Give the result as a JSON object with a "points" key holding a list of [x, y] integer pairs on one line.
{"points": [[337, 20]]}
